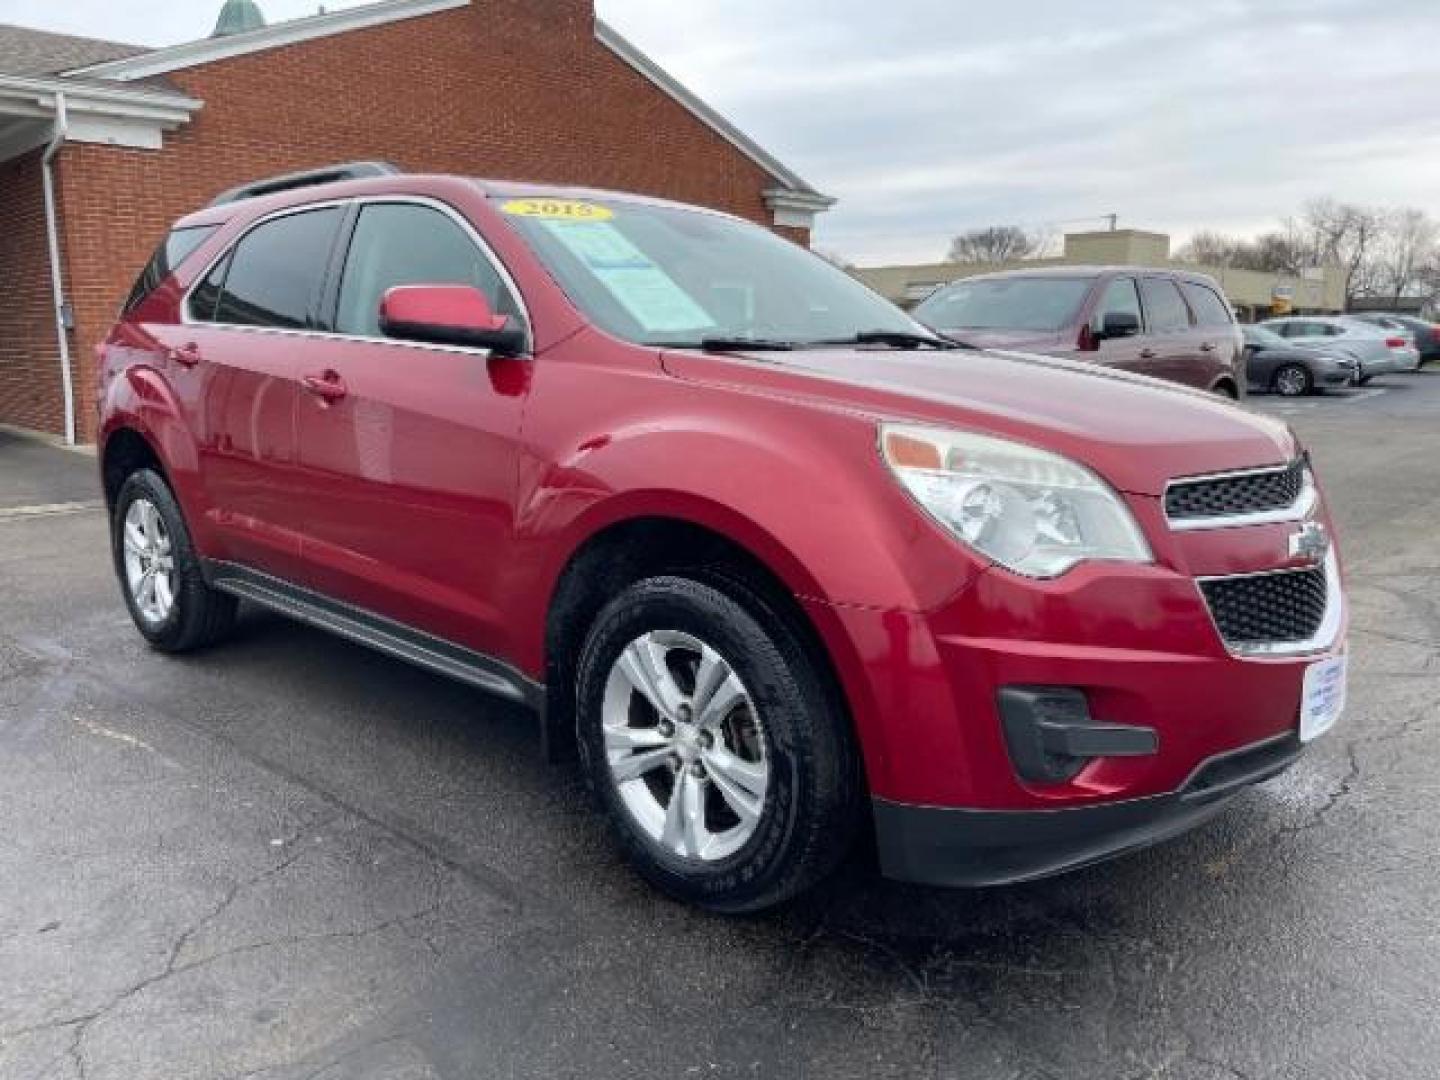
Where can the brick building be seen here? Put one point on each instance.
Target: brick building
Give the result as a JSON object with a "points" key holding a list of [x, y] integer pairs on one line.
{"points": [[127, 139]]}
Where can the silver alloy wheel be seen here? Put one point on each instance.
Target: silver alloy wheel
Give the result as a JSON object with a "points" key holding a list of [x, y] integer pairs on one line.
{"points": [[1291, 381], [685, 745], [149, 562]]}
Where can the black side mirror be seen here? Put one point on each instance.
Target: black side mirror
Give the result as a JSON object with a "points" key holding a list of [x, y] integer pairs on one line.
{"points": [[1119, 324]]}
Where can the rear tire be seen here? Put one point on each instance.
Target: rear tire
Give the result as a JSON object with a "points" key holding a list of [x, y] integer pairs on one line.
{"points": [[1293, 380], [159, 572], [741, 789]]}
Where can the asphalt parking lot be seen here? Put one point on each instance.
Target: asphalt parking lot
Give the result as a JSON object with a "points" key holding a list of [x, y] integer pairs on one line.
{"points": [[293, 858]]}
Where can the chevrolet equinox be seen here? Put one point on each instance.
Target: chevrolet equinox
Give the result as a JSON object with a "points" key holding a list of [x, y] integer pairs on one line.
{"points": [[783, 568]]}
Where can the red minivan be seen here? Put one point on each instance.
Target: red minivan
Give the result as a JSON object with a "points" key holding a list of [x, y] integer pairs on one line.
{"points": [[1169, 324], [773, 558]]}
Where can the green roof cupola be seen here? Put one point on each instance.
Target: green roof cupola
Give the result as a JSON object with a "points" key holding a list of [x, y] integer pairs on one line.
{"points": [[238, 16]]}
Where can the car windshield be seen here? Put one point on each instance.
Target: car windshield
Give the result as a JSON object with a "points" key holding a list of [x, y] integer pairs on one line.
{"points": [[1259, 335], [1022, 303], [665, 275]]}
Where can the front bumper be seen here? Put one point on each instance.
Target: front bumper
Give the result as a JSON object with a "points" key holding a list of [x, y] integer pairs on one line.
{"points": [[970, 848], [953, 802], [1329, 372]]}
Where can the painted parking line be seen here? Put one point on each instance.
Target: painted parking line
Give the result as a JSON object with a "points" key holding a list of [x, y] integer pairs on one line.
{"points": [[44, 510], [1350, 398], [1361, 395]]}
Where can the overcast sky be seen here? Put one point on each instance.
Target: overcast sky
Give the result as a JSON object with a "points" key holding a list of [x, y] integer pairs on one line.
{"points": [[926, 117]]}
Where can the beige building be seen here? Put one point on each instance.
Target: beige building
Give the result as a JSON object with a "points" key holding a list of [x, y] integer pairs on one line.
{"points": [[1254, 295]]}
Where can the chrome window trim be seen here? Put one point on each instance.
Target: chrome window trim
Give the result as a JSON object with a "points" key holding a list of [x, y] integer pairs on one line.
{"points": [[1299, 510], [186, 319], [1325, 636]]}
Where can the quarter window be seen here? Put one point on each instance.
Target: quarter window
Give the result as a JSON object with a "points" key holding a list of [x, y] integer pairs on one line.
{"points": [[178, 246], [207, 294], [1164, 306], [408, 244], [1209, 309], [273, 276]]}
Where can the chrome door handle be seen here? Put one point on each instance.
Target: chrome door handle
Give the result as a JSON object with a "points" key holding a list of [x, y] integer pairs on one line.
{"points": [[1148, 354], [1207, 347]]}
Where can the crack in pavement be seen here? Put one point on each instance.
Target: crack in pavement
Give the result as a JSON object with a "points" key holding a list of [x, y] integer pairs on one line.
{"points": [[1353, 770], [174, 967], [506, 892]]}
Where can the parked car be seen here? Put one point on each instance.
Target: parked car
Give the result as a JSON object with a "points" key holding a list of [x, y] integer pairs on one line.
{"points": [[1424, 335], [1167, 324], [1274, 364], [767, 552], [1374, 350]]}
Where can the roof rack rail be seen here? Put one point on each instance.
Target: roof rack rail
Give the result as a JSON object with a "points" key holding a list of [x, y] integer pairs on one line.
{"points": [[354, 170]]}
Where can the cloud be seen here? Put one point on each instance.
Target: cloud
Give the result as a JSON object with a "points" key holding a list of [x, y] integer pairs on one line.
{"points": [[934, 117], [930, 116]]}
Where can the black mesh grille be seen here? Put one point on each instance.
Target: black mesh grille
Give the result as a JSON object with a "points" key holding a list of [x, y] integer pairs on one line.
{"points": [[1268, 608], [1229, 496]]}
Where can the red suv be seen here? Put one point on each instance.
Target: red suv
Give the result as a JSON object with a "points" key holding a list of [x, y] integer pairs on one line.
{"points": [[1168, 324], [767, 552]]}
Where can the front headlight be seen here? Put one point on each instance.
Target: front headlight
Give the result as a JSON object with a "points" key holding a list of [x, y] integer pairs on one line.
{"points": [[1031, 511]]}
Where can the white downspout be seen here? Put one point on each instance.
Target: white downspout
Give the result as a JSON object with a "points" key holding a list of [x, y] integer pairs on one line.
{"points": [[57, 277]]}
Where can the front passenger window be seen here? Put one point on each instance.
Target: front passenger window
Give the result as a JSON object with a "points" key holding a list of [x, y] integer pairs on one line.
{"points": [[409, 244], [1121, 297]]}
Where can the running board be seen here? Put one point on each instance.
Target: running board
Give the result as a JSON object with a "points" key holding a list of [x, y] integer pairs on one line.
{"points": [[382, 634]]}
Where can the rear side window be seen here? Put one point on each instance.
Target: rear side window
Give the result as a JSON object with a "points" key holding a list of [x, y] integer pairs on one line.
{"points": [[1165, 306], [407, 244], [1209, 309], [273, 276], [176, 248]]}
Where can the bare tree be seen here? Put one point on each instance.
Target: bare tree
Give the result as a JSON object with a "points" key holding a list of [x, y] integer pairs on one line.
{"points": [[1409, 245], [1344, 234], [1207, 248], [997, 243], [1274, 252]]}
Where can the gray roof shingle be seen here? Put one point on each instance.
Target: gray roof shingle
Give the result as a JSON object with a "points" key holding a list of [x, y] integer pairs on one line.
{"points": [[38, 52]]}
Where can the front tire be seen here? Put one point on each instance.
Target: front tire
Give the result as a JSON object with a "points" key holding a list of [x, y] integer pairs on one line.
{"points": [[1294, 380], [159, 572], [715, 745]]}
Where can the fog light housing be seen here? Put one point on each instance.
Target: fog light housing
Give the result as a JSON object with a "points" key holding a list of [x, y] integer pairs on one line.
{"points": [[1051, 736]]}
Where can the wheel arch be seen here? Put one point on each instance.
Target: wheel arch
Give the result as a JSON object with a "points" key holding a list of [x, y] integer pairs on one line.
{"points": [[143, 423], [125, 451], [1226, 385], [631, 548]]}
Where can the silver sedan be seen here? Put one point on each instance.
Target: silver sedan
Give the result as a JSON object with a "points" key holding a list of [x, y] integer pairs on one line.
{"points": [[1361, 341]]}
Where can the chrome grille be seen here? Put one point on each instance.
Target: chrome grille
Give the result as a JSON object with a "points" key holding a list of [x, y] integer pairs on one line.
{"points": [[1256, 492], [1286, 607]]}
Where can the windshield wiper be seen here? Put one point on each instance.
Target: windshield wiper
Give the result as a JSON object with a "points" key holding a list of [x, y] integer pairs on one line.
{"points": [[743, 344], [904, 339]]}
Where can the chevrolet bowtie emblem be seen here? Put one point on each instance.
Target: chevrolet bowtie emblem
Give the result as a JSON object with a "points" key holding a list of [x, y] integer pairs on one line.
{"points": [[1310, 541]]}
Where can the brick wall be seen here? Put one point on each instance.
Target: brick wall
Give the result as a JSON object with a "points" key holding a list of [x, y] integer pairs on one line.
{"points": [[508, 89], [30, 392]]}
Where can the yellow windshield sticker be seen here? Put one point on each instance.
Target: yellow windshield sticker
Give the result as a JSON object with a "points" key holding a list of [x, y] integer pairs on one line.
{"points": [[557, 210]]}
